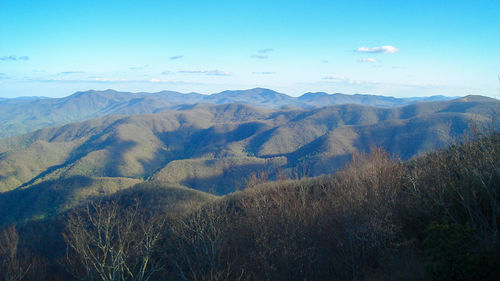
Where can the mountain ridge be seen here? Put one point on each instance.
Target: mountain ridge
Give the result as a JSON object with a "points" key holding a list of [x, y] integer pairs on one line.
{"points": [[215, 148], [139, 144], [23, 115]]}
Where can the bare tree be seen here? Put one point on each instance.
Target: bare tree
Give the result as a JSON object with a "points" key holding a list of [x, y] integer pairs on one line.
{"points": [[256, 179], [281, 175], [302, 170], [107, 242], [202, 247], [14, 265]]}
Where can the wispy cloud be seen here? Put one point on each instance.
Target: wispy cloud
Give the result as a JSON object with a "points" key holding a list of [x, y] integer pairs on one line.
{"points": [[14, 58], [167, 72], [89, 80], [170, 82], [367, 60], [265, 51], [324, 61], [262, 54], [262, 57], [382, 49], [108, 80], [70, 72], [341, 79], [264, 72], [333, 77], [176, 57], [138, 67], [101, 79], [205, 72], [157, 80]]}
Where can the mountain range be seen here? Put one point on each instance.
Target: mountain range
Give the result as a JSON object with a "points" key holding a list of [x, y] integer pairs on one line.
{"points": [[25, 114], [213, 148]]}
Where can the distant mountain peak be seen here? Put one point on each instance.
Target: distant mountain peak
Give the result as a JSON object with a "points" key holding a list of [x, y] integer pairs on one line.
{"points": [[25, 115], [314, 94], [261, 89], [476, 98], [248, 91]]}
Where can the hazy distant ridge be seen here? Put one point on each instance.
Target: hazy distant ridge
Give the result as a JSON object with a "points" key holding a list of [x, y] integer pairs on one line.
{"points": [[25, 114]]}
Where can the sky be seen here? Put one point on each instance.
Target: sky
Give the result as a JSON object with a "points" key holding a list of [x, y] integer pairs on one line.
{"points": [[392, 48]]}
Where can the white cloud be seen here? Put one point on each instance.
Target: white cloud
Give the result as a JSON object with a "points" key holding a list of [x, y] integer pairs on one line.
{"points": [[138, 67], [264, 51], [264, 72], [156, 80], [262, 57], [335, 78], [165, 81], [89, 80], [382, 49], [371, 85], [262, 54], [14, 58], [341, 79], [100, 79], [367, 60], [206, 72], [70, 72], [217, 73], [105, 80]]}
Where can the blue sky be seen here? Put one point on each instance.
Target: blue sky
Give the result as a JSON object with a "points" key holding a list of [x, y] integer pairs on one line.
{"points": [[393, 48]]}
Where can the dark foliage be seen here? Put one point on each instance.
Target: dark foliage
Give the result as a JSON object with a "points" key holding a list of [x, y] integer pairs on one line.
{"points": [[434, 217]]}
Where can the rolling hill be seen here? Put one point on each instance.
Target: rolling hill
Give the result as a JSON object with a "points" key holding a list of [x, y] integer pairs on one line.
{"points": [[215, 148], [22, 115]]}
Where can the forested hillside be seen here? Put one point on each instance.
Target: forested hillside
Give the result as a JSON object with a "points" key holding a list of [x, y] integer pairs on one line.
{"points": [[431, 218], [213, 148]]}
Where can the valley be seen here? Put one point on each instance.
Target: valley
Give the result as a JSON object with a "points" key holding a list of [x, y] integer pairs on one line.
{"points": [[215, 148]]}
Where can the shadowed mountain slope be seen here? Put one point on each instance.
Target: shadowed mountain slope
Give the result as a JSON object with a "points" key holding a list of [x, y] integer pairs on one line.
{"points": [[215, 147]]}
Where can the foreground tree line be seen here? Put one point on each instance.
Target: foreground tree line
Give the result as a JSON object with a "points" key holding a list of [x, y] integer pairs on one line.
{"points": [[432, 218]]}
